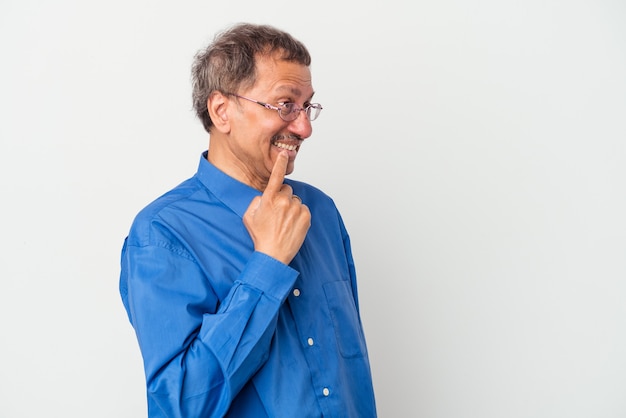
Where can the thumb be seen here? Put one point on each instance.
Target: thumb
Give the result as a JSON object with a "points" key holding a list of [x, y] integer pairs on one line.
{"points": [[254, 204]]}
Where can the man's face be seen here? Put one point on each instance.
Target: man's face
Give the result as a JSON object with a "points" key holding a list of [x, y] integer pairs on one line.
{"points": [[258, 134]]}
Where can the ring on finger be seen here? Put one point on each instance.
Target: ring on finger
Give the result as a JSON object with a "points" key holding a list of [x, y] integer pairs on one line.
{"points": [[296, 197]]}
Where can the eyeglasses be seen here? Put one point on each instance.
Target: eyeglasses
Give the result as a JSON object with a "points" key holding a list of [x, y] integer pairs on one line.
{"points": [[289, 111]]}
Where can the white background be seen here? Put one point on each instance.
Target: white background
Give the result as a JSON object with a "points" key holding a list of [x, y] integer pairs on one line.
{"points": [[475, 148]]}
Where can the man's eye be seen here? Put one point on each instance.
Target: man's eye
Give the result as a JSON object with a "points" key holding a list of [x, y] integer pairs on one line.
{"points": [[287, 106]]}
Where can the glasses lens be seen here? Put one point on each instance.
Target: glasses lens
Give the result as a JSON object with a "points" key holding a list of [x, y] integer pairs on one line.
{"points": [[287, 111], [313, 111]]}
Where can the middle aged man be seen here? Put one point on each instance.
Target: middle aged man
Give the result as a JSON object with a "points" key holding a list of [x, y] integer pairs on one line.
{"points": [[240, 283]]}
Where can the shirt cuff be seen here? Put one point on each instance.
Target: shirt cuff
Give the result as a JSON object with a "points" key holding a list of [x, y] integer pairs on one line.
{"points": [[269, 275]]}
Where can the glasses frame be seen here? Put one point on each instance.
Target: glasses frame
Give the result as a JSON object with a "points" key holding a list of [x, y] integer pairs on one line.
{"points": [[295, 111]]}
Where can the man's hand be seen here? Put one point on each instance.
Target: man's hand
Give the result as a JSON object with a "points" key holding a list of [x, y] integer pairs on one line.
{"points": [[278, 220]]}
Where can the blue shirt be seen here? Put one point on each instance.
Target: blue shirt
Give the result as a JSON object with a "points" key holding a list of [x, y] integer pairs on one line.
{"points": [[228, 331]]}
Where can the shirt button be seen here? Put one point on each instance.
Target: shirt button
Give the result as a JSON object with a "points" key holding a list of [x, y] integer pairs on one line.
{"points": [[296, 292], [310, 341], [326, 392]]}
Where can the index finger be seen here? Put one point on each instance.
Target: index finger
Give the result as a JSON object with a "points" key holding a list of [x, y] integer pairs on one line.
{"points": [[278, 173]]}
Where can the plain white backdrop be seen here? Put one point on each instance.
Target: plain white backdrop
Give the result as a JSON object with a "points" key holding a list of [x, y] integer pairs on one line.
{"points": [[476, 151]]}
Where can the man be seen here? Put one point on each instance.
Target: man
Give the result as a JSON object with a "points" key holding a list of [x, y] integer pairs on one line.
{"points": [[240, 284]]}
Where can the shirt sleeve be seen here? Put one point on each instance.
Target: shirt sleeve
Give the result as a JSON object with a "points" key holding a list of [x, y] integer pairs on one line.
{"points": [[199, 352], [350, 260]]}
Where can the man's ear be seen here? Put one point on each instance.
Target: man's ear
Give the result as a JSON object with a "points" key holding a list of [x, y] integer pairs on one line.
{"points": [[217, 106]]}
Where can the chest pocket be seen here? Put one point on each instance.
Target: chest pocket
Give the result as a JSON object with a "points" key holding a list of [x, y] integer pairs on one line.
{"points": [[345, 319]]}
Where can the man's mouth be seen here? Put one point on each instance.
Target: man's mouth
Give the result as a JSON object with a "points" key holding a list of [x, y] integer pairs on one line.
{"points": [[289, 147], [288, 142]]}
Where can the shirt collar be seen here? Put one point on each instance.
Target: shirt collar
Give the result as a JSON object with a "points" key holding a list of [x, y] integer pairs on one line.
{"points": [[233, 193]]}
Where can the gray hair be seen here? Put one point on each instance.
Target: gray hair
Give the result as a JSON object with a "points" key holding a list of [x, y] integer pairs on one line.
{"points": [[228, 63]]}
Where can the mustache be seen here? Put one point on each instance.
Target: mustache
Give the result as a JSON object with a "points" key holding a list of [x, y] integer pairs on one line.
{"points": [[279, 137]]}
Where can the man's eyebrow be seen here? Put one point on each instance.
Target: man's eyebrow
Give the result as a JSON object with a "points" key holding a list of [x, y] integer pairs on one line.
{"points": [[293, 90]]}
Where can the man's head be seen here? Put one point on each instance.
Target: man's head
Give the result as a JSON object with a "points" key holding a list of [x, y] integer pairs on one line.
{"points": [[229, 63], [253, 91]]}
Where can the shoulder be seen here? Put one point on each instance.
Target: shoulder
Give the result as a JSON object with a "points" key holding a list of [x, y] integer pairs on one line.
{"points": [[310, 194], [152, 221], [321, 205]]}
